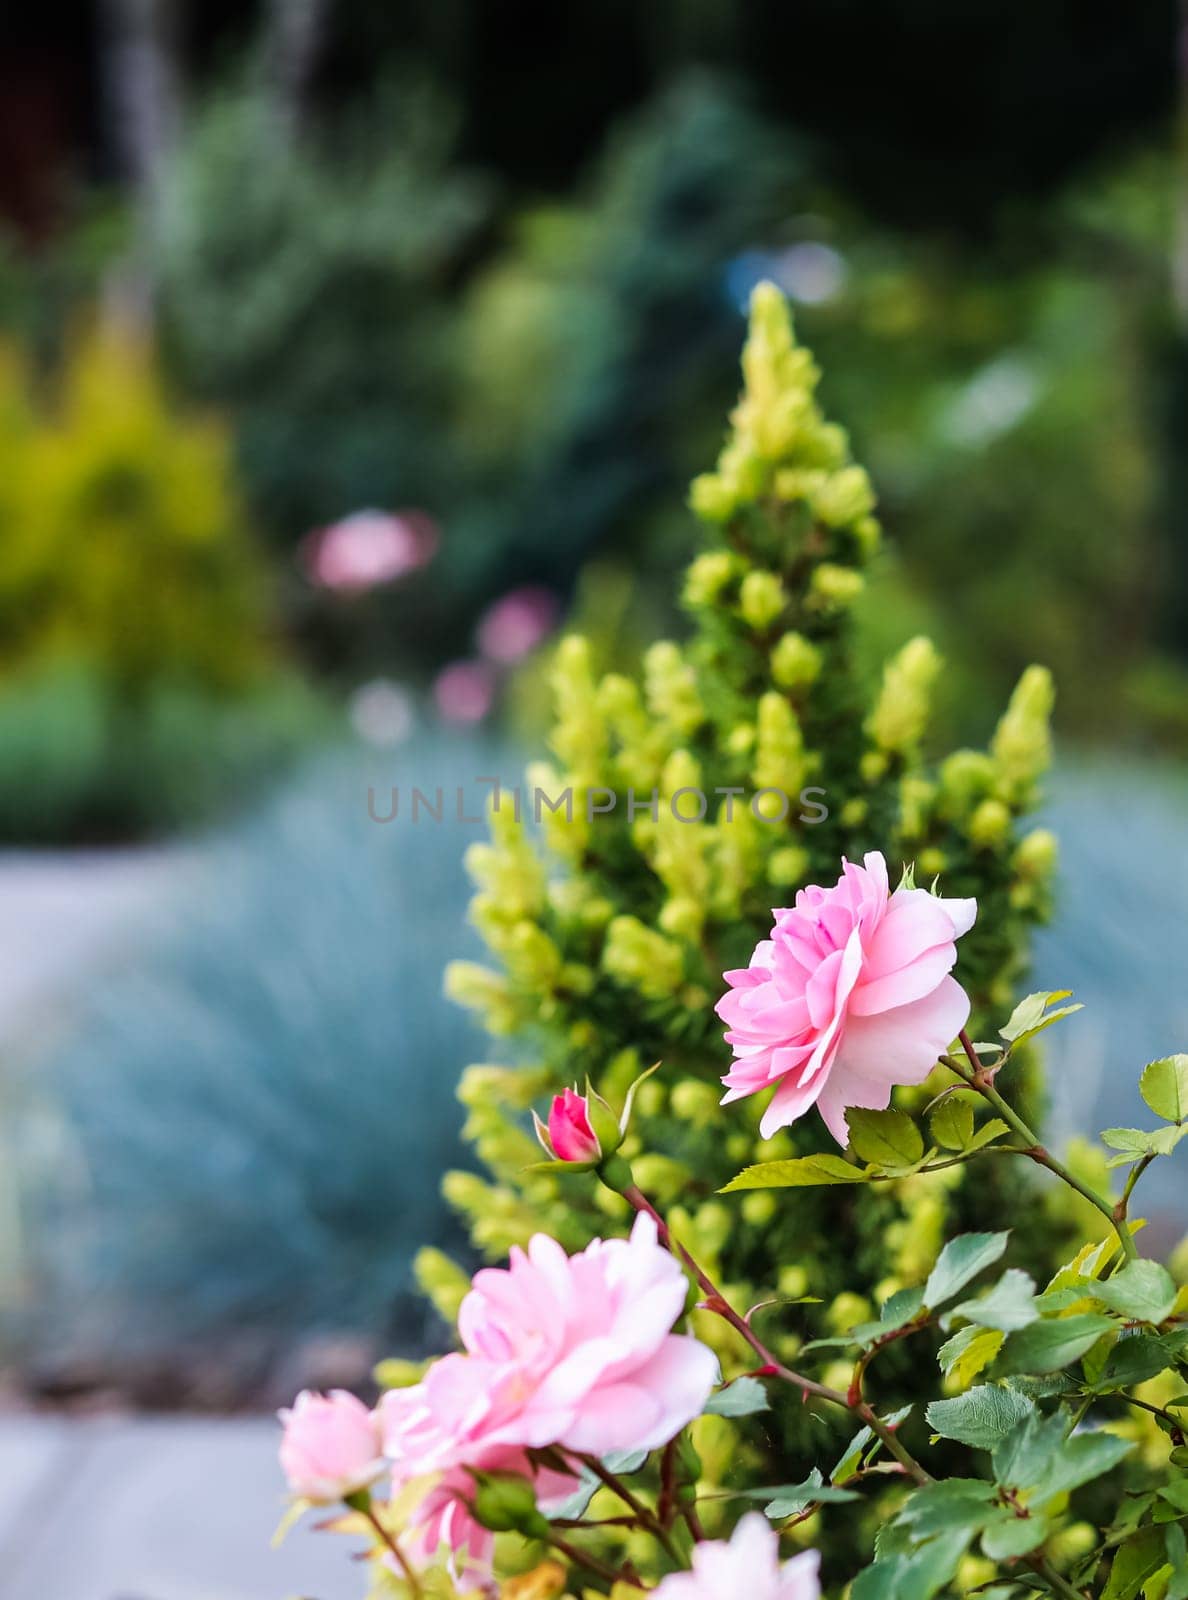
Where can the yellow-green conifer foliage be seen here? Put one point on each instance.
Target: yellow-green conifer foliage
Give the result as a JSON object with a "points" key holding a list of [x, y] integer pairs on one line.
{"points": [[610, 932], [123, 548]]}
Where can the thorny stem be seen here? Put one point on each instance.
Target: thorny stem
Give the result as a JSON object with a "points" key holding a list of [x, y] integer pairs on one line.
{"points": [[645, 1515], [854, 1397], [717, 1303], [977, 1076]]}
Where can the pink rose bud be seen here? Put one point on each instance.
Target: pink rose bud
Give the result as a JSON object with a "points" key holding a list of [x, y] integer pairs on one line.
{"points": [[331, 1446], [570, 1131]]}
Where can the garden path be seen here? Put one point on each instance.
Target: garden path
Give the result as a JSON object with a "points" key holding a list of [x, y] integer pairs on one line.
{"points": [[61, 912], [158, 1508]]}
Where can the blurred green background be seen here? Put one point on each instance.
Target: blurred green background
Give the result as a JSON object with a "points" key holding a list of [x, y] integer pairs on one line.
{"points": [[347, 350]]}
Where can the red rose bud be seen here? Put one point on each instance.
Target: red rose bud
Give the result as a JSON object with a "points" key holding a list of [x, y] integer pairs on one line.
{"points": [[571, 1133]]}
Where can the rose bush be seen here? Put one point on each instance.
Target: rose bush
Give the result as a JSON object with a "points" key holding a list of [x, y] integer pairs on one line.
{"points": [[571, 1385]]}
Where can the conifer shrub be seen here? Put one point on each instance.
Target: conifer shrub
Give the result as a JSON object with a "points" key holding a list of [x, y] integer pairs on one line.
{"points": [[609, 924], [140, 685]]}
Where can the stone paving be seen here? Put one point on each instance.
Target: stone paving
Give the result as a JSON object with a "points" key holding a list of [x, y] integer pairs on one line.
{"points": [[155, 1509], [65, 913]]}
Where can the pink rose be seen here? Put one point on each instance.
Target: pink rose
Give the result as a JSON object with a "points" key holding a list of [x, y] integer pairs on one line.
{"points": [[570, 1135], [749, 1566], [850, 996], [563, 1350], [331, 1446], [369, 548], [465, 691]]}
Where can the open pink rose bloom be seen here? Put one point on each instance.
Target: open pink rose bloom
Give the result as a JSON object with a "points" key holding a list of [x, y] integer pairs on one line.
{"points": [[851, 995], [575, 1351], [748, 1568]]}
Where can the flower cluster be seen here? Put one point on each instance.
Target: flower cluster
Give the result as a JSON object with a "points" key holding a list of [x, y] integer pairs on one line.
{"points": [[572, 1357], [571, 1380], [569, 1354]]}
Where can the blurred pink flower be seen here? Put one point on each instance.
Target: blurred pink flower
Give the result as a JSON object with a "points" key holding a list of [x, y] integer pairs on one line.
{"points": [[369, 548], [748, 1566], [465, 691], [331, 1446], [570, 1134], [850, 996], [514, 626]]}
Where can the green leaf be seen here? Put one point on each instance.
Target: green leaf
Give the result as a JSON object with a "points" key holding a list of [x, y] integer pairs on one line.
{"points": [[1081, 1459], [900, 1308], [1177, 1554], [1136, 1142], [1134, 1562], [887, 1138], [1026, 1454], [1143, 1141], [881, 1581], [986, 1134], [1093, 1362], [852, 1456], [969, 1352], [962, 1259], [918, 1575], [1142, 1291], [863, 1447], [951, 1503], [1051, 1344], [982, 1417], [789, 1500], [1032, 1015], [1139, 1356], [952, 1123], [742, 1398], [1008, 1306], [1015, 1536], [805, 1172], [1164, 1086]]}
